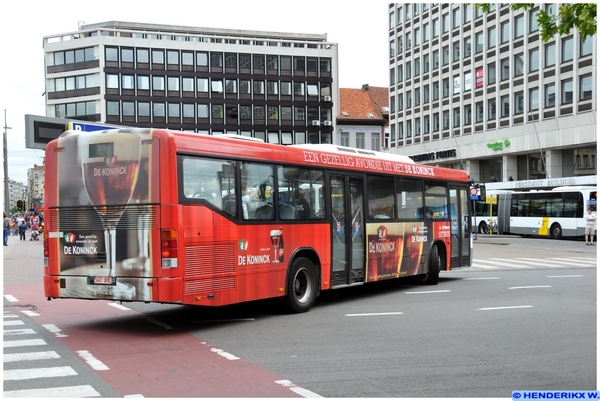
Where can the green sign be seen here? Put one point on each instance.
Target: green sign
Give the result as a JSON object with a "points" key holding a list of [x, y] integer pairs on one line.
{"points": [[497, 146]]}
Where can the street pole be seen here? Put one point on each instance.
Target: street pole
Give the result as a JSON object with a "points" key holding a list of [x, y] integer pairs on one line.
{"points": [[6, 197]]}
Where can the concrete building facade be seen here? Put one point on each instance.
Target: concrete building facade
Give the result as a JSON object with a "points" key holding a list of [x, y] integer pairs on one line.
{"points": [[482, 92], [279, 87]]}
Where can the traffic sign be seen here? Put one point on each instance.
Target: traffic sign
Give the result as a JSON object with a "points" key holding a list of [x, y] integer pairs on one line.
{"points": [[77, 126]]}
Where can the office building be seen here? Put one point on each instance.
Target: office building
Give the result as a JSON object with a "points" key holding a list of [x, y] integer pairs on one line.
{"points": [[482, 92], [279, 87]]}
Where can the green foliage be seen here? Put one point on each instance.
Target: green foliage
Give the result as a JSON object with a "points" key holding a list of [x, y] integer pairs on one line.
{"points": [[581, 16]]}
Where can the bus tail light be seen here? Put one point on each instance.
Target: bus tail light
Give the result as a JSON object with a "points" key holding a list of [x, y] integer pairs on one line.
{"points": [[168, 248]]}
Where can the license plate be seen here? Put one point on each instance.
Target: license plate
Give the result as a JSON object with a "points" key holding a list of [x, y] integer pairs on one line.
{"points": [[102, 280]]}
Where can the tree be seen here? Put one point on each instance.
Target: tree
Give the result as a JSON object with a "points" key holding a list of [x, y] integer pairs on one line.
{"points": [[582, 16]]}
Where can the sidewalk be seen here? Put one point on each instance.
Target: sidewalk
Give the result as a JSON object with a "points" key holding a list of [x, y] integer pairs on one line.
{"points": [[23, 261]]}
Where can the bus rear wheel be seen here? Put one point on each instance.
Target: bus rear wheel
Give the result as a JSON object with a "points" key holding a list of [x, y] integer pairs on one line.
{"points": [[556, 231], [302, 286], [483, 228], [435, 265]]}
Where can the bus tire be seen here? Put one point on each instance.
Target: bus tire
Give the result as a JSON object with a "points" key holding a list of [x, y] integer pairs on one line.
{"points": [[435, 265], [302, 286], [556, 231], [483, 228]]}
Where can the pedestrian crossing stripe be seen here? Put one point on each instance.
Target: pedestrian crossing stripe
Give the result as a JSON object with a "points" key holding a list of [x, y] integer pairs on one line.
{"points": [[30, 356], [38, 373], [496, 263], [23, 343], [56, 392]]}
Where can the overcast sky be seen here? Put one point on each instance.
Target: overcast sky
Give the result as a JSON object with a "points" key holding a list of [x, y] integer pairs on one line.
{"points": [[359, 28]]}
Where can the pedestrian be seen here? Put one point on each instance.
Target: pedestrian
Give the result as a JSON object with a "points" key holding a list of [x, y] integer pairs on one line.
{"points": [[6, 229], [590, 227], [22, 230]]}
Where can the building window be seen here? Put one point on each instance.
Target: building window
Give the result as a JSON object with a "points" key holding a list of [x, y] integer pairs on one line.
{"points": [[217, 86], [455, 18], [491, 38], [504, 69], [407, 40], [202, 59], [446, 87], [112, 81], [518, 65], [426, 126], [409, 99], [519, 26], [112, 54], [158, 110], [345, 139], [567, 91], [143, 82], [417, 36], [445, 23], [492, 109], [446, 119], [467, 114], [158, 83], [158, 57], [173, 57], [188, 111], [533, 22], [436, 59], [408, 128], [112, 108], [534, 60], [585, 87], [586, 47], [479, 112], [426, 94], [230, 85], [519, 102], [549, 95], [203, 111], [534, 99], [505, 32], [174, 110], [468, 12], [435, 28], [479, 42], [425, 32], [426, 63], [456, 114], [408, 70], [173, 84], [505, 106], [202, 84], [491, 73], [550, 55], [456, 51], [567, 49], [445, 55], [436, 122], [360, 140]]}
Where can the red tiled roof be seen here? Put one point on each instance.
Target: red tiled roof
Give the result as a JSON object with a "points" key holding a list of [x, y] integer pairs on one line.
{"points": [[363, 104]]}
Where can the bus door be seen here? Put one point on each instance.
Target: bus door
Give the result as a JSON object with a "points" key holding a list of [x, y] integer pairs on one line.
{"points": [[348, 230], [460, 226]]}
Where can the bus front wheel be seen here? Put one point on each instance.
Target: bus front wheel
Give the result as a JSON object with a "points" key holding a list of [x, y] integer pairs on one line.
{"points": [[483, 228], [556, 231], [302, 286]]}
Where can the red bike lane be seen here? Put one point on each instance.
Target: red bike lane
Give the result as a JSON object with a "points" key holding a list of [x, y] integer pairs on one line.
{"points": [[133, 354]]}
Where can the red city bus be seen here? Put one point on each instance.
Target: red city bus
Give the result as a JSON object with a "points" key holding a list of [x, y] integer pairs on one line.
{"points": [[153, 215]]}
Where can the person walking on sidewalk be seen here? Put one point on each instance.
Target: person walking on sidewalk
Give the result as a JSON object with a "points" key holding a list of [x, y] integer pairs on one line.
{"points": [[590, 227], [22, 230], [6, 229]]}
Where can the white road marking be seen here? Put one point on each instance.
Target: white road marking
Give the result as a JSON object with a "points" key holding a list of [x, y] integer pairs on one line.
{"points": [[38, 373], [118, 306], [15, 332], [506, 307], [56, 392], [373, 314], [14, 323], [10, 298], [30, 313], [53, 329], [298, 390], [92, 360], [30, 356], [425, 292], [224, 354], [482, 278], [566, 275], [530, 286], [23, 343]]}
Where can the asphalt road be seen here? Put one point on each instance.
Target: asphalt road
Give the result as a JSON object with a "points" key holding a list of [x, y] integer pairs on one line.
{"points": [[523, 318]]}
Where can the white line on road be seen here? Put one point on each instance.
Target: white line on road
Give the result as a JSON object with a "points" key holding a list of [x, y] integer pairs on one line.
{"points": [[530, 286], [30, 313], [14, 323], [298, 390], [38, 373], [482, 278], [23, 343], [373, 314], [506, 307], [30, 356], [10, 298], [53, 329], [92, 360], [56, 392], [566, 275], [118, 306], [225, 354], [425, 292], [15, 332]]}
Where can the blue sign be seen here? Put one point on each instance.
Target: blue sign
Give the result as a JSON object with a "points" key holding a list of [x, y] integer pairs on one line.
{"points": [[89, 127]]}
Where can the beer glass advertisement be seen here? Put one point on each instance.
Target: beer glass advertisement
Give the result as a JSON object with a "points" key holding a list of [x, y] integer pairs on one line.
{"points": [[106, 182], [394, 249]]}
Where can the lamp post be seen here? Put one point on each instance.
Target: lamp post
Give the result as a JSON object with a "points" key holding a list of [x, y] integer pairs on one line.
{"points": [[6, 197]]}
